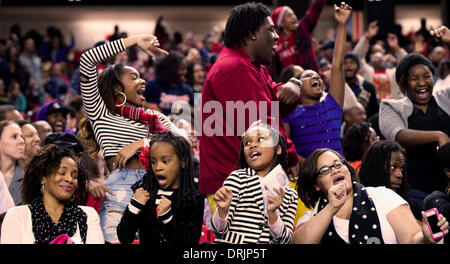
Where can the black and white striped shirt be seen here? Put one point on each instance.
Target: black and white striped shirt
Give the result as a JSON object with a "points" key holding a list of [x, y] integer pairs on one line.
{"points": [[246, 222], [112, 132]]}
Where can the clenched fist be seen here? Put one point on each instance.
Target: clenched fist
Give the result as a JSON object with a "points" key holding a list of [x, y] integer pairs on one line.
{"points": [[223, 198], [164, 205]]}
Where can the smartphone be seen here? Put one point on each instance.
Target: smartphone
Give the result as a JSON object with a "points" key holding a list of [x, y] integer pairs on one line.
{"points": [[432, 217]]}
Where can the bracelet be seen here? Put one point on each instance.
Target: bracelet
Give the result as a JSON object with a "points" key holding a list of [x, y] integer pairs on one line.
{"points": [[296, 81]]}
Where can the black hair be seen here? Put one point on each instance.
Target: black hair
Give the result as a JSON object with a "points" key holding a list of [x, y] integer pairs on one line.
{"points": [[276, 137], [309, 173], [182, 148], [190, 74], [108, 79], [354, 139], [444, 65], [243, 20], [166, 68], [44, 164], [376, 163], [286, 74], [444, 156]]}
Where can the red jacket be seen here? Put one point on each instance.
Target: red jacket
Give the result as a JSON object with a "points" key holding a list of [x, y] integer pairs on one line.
{"points": [[234, 77]]}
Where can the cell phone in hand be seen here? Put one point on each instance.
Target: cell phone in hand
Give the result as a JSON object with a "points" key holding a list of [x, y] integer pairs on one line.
{"points": [[432, 217]]}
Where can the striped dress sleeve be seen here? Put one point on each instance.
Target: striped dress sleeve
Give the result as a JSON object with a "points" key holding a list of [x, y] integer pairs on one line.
{"points": [[287, 212]]}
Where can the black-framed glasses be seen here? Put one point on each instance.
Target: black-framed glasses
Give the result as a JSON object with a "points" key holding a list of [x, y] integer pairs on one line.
{"points": [[327, 169]]}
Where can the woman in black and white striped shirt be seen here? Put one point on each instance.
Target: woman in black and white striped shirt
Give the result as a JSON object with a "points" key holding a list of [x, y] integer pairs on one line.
{"points": [[119, 137]]}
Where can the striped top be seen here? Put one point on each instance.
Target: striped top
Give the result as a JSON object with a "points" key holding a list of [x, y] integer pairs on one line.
{"points": [[316, 126], [246, 222], [112, 132]]}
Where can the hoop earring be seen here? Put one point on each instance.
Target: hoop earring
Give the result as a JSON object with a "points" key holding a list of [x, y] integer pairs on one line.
{"points": [[125, 99]]}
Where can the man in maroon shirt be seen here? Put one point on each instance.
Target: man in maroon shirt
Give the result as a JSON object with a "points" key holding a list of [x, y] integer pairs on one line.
{"points": [[294, 45], [240, 81]]}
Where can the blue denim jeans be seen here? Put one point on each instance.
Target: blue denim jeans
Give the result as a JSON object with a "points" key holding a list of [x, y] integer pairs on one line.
{"points": [[111, 211]]}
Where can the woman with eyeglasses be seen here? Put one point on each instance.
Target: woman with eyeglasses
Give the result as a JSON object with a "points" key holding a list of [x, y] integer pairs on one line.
{"points": [[346, 212]]}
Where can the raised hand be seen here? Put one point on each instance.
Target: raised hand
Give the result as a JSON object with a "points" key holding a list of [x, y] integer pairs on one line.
{"points": [[273, 202], [342, 13], [147, 42], [337, 194], [442, 33], [372, 31], [223, 198]]}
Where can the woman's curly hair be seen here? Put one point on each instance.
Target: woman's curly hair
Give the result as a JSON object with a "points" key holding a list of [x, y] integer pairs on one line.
{"points": [[44, 164]]}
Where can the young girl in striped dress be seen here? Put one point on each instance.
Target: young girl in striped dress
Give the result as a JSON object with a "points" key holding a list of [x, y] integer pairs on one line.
{"points": [[247, 213]]}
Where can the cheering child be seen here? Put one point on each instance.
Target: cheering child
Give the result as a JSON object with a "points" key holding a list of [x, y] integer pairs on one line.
{"points": [[166, 208], [243, 215]]}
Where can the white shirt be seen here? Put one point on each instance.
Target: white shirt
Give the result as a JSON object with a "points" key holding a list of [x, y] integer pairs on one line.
{"points": [[385, 201], [17, 227], [6, 200], [441, 84]]}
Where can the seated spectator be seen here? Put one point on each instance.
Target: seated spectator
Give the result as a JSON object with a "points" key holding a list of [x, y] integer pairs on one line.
{"points": [[384, 164], [346, 212], [16, 97], [363, 89], [443, 80], [53, 48], [436, 55], [55, 114], [169, 88], [44, 129], [31, 139], [12, 149], [52, 179], [31, 61], [356, 141], [353, 115], [9, 113], [420, 122], [195, 76]]}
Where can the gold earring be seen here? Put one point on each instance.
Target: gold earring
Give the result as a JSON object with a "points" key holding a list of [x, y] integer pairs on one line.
{"points": [[125, 99]]}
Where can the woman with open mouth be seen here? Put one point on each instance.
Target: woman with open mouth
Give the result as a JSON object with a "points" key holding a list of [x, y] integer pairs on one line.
{"points": [[316, 123], [113, 101], [420, 122], [346, 212]]}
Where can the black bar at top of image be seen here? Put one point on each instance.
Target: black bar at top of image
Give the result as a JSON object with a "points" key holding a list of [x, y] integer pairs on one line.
{"points": [[128, 2]]}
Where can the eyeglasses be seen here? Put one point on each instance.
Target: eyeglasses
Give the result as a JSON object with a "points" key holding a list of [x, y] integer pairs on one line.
{"points": [[327, 169]]}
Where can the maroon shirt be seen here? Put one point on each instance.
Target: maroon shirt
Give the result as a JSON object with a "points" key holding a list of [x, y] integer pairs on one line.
{"points": [[234, 77]]}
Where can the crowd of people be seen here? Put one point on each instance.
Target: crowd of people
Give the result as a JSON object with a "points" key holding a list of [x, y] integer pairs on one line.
{"points": [[96, 145]]}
